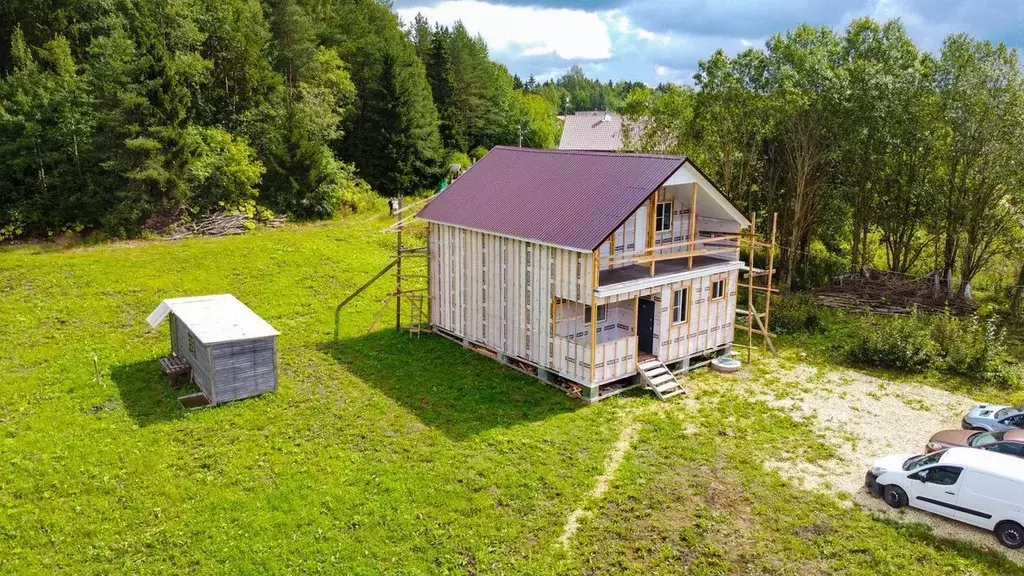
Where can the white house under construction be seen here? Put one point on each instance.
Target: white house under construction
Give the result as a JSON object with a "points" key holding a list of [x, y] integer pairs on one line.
{"points": [[586, 269]]}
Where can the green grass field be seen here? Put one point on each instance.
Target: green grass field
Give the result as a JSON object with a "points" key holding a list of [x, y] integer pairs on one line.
{"points": [[380, 453]]}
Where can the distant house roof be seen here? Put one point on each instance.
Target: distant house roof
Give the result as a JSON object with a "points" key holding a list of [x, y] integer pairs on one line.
{"points": [[592, 131], [565, 198], [214, 319]]}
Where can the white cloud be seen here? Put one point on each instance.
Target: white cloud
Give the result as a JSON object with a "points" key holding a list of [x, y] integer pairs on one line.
{"points": [[621, 23], [525, 30]]}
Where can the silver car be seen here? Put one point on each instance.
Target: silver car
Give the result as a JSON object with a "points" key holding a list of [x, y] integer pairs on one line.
{"points": [[994, 418]]}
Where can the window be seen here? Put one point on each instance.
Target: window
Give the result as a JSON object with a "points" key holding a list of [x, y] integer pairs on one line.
{"points": [[663, 217], [680, 305], [1011, 448], [925, 460], [602, 313], [982, 438], [941, 475], [191, 343], [717, 289], [1015, 421]]}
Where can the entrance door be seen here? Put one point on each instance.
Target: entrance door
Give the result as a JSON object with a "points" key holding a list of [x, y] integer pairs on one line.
{"points": [[645, 325]]}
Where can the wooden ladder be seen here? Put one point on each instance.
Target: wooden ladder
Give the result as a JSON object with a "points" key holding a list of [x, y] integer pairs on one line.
{"points": [[659, 378], [415, 314]]}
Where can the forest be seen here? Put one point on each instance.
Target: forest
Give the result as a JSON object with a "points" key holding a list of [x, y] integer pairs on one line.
{"points": [[872, 151], [121, 116]]}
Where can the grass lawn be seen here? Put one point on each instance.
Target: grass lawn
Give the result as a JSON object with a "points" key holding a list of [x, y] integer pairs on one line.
{"points": [[380, 453]]}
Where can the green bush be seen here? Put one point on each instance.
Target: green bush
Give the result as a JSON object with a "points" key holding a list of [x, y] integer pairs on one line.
{"points": [[797, 313], [898, 343], [459, 158], [478, 152], [975, 348]]}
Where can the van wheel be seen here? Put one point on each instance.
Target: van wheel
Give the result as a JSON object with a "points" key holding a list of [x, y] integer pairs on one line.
{"points": [[1010, 534], [894, 496]]}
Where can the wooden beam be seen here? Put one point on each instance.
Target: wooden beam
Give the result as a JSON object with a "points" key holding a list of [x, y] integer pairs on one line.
{"points": [[650, 226], [593, 319], [693, 218], [398, 270], [632, 257], [771, 273], [750, 285], [676, 256]]}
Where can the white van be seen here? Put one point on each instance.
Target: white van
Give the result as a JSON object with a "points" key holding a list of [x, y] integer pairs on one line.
{"points": [[978, 487]]}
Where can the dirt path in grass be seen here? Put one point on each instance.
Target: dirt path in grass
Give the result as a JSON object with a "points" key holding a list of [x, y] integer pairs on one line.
{"points": [[865, 418], [611, 465]]}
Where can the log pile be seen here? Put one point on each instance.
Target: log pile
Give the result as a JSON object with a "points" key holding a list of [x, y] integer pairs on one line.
{"points": [[892, 293], [221, 224]]}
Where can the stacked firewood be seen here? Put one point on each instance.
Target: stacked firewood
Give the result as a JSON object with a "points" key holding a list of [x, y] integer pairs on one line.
{"points": [[222, 224], [892, 293]]}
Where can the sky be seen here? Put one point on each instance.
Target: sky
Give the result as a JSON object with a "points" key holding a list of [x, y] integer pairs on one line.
{"points": [[662, 41]]}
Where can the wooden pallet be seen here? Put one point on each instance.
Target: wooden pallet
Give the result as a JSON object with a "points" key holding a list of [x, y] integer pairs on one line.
{"points": [[174, 366]]}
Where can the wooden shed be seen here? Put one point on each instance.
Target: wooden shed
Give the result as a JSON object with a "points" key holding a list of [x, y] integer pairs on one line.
{"points": [[231, 351]]}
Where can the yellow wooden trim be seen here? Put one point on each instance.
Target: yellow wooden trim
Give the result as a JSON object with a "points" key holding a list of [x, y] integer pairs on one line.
{"points": [[693, 218], [689, 306], [593, 320]]}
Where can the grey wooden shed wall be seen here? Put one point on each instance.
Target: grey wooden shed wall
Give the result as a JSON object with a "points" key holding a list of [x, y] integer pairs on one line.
{"points": [[229, 370], [197, 355], [244, 369]]}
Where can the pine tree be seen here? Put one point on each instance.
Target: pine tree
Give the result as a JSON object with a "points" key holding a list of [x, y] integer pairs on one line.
{"points": [[441, 74]]}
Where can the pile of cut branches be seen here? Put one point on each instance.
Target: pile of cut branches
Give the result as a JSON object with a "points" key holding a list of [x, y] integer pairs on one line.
{"points": [[221, 224], [893, 293]]}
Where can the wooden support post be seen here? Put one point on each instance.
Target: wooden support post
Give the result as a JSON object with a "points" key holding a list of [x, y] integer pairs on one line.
{"points": [[693, 222], [430, 294], [611, 251], [771, 273], [398, 271], [636, 315], [593, 318], [750, 285], [651, 220]]}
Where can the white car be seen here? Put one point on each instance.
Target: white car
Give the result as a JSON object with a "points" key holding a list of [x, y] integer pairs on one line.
{"points": [[977, 487]]}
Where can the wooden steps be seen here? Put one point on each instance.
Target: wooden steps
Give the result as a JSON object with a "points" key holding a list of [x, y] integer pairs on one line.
{"points": [[659, 378]]}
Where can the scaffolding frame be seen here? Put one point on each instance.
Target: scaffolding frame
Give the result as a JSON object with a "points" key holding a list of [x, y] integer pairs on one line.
{"points": [[753, 243], [405, 264]]}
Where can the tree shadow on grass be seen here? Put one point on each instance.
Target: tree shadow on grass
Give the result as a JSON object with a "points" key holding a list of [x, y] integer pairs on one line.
{"points": [[146, 394], [447, 387]]}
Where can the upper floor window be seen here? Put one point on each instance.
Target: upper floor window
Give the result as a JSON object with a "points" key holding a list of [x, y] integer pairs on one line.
{"points": [[663, 217], [717, 289]]}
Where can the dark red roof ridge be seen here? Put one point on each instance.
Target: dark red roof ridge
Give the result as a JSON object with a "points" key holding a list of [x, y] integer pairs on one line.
{"points": [[593, 152]]}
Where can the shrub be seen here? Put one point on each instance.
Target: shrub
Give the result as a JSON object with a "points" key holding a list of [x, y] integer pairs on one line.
{"points": [[974, 347], [478, 152], [459, 158], [899, 343], [797, 313]]}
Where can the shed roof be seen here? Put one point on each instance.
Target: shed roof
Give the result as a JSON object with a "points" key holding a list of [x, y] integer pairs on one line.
{"points": [[566, 198], [214, 319], [592, 131]]}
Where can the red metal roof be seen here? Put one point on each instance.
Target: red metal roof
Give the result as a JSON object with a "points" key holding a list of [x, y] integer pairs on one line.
{"points": [[567, 198]]}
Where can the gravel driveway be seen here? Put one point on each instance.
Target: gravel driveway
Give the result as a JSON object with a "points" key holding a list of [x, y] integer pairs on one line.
{"points": [[866, 418]]}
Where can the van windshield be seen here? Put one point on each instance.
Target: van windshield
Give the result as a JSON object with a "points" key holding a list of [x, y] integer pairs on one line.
{"points": [[925, 460]]}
